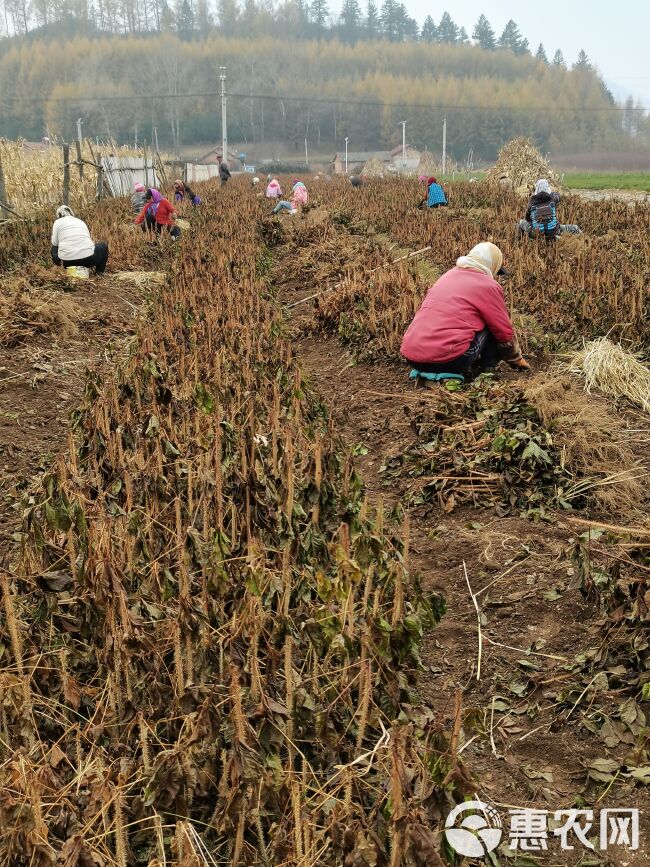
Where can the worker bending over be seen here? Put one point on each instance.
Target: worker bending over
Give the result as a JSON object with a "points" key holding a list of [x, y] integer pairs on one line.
{"points": [[72, 244], [138, 197], [435, 196], [273, 188], [161, 211], [224, 171], [183, 192], [541, 220], [463, 324]]}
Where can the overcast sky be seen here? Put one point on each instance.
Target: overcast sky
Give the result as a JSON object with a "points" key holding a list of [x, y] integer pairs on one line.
{"points": [[615, 35]]}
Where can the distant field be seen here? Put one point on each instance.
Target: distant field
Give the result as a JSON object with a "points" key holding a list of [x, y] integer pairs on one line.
{"points": [[608, 181]]}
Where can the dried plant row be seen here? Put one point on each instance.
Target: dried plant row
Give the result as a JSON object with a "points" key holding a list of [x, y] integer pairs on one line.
{"points": [[210, 636]]}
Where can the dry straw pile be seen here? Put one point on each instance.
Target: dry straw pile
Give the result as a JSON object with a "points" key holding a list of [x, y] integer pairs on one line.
{"points": [[612, 370], [374, 168], [523, 165], [427, 164]]}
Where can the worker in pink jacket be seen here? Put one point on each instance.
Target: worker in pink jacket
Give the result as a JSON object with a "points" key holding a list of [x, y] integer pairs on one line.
{"points": [[463, 322]]}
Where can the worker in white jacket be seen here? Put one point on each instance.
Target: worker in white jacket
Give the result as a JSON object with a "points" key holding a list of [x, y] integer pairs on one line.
{"points": [[72, 244]]}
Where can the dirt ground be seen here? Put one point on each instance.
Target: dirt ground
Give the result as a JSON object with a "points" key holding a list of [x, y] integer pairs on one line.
{"points": [[43, 379], [526, 746]]}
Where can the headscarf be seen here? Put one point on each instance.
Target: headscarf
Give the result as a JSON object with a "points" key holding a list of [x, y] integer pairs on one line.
{"points": [[542, 186], [295, 183], [155, 198], [431, 181], [485, 257], [64, 211], [138, 187], [179, 185]]}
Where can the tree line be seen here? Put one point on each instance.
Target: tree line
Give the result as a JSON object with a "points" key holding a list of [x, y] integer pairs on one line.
{"points": [[307, 19], [166, 87]]}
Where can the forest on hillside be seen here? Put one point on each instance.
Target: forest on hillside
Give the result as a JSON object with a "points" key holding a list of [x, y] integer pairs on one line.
{"points": [[295, 73]]}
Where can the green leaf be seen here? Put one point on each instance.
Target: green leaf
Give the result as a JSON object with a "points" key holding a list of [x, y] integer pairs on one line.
{"points": [[203, 398]]}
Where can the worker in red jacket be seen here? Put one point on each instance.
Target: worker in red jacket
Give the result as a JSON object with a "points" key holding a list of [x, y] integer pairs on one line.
{"points": [[463, 322], [161, 209]]}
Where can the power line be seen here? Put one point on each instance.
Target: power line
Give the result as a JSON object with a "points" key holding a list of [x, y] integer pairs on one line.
{"points": [[370, 103]]}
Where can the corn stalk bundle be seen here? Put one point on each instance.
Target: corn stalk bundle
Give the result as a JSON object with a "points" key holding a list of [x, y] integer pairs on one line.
{"points": [[523, 165], [373, 168], [427, 164]]}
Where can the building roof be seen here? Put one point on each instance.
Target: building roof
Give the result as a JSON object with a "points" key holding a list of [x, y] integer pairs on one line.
{"points": [[398, 149], [364, 156]]}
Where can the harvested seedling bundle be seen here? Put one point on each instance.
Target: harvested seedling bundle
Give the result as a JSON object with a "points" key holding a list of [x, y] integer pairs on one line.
{"points": [[611, 369], [523, 165]]}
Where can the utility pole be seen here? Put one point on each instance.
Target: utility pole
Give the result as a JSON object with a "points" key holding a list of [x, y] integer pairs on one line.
{"points": [[346, 154], [444, 146], [79, 129], [224, 128], [403, 123]]}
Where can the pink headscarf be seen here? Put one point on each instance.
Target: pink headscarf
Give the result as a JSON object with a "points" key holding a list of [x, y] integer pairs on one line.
{"points": [[139, 188]]}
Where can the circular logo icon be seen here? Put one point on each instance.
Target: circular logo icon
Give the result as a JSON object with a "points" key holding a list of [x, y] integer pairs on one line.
{"points": [[479, 831]]}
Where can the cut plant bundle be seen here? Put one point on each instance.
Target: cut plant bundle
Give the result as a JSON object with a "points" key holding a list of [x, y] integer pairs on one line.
{"points": [[208, 623], [609, 368]]}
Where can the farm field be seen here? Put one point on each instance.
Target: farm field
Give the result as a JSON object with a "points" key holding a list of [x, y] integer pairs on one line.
{"points": [[264, 601]]}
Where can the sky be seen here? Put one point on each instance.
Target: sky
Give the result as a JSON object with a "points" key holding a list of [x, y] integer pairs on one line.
{"points": [[614, 34]]}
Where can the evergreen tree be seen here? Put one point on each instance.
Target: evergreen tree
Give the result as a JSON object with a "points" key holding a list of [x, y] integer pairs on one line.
{"points": [[372, 24], [447, 29], [390, 23], [184, 19], [558, 59], [350, 20], [408, 27], [319, 13], [463, 38], [541, 54], [228, 16], [583, 61], [204, 21], [429, 30], [512, 40], [483, 34]]}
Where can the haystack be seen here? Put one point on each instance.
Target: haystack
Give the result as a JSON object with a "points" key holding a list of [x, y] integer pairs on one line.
{"points": [[522, 165], [427, 165], [609, 368], [374, 168]]}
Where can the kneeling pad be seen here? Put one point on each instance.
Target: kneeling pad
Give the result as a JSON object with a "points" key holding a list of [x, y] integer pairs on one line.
{"points": [[436, 377]]}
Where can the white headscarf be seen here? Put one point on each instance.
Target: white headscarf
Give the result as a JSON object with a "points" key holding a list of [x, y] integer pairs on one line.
{"points": [[542, 186], [485, 257], [64, 211]]}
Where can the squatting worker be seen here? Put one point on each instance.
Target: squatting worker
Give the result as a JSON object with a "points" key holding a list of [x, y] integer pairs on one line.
{"points": [[138, 197], [273, 188], [541, 220], [435, 196], [463, 322], [161, 211], [224, 171], [72, 244], [183, 191]]}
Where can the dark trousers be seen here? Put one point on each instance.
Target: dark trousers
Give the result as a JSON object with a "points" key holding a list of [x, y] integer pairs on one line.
{"points": [[481, 355], [149, 224], [97, 261], [174, 231]]}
